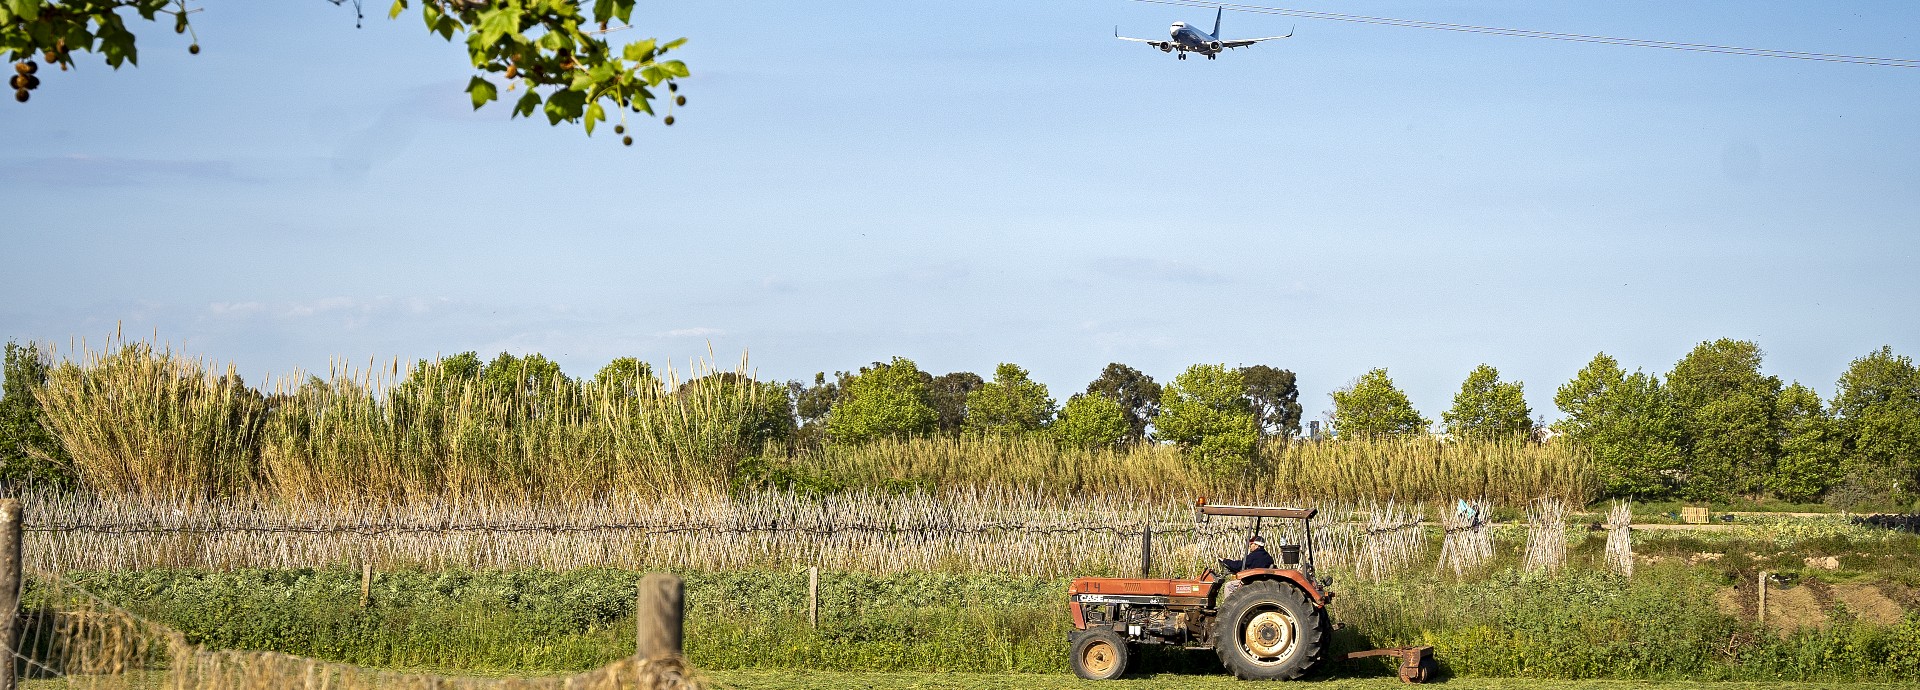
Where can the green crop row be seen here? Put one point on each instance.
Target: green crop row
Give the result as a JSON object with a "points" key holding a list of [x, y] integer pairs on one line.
{"points": [[1580, 623]]}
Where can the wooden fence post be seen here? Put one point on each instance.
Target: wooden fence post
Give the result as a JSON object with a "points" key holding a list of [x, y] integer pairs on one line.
{"points": [[813, 596], [1762, 613], [366, 581], [659, 616], [10, 523]]}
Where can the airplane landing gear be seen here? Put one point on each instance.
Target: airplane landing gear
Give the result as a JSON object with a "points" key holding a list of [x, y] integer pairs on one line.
{"points": [[1183, 56], [1210, 57]]}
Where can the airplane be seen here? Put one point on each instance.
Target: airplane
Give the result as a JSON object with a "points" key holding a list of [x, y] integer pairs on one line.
{"points": [[1187, 39]]}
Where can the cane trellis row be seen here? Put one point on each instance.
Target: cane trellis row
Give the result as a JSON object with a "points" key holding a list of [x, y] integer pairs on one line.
{"points": [[1468, 543], [1620, 538], [998, 532], [86, 643], [1546, 535]]}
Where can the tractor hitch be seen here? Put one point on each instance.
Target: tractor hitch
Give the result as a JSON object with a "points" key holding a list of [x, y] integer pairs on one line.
{"points": [[1416, 663]]}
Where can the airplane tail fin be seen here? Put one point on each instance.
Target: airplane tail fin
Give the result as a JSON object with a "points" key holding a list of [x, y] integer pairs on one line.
{"points": [[1216, 20]]}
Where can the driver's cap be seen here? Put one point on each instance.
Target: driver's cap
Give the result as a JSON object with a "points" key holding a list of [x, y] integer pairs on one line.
{"points": [[1257, 539]]}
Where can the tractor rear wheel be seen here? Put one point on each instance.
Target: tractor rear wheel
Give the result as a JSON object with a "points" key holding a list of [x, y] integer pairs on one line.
{"points": [[1268, 630], [1099, 654]]}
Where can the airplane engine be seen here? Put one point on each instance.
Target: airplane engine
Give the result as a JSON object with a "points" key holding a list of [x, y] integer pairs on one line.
{"points": [[1214, 46]]}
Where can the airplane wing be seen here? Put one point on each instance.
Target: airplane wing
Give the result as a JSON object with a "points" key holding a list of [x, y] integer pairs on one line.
{"points": [[1157, 44], [1244, 42]]}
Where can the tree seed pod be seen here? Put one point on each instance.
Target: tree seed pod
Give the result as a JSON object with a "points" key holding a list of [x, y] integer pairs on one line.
{"points": [[672, 86], [193, 49], [33, 82], [626, 140], [28, 67], [19, 81], [669, 120], [21, 95], [679, 100], [619, 129]]}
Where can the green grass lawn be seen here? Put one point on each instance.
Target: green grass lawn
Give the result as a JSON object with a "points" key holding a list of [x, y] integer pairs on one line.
{"points": [[782, 680], [848, 680]]}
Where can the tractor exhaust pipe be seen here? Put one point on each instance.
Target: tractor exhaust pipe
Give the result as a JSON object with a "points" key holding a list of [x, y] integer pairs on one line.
{"points": [[1146, 549]]}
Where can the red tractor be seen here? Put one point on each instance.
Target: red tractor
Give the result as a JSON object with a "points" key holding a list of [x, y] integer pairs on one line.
{"points": [[1264, 623]]}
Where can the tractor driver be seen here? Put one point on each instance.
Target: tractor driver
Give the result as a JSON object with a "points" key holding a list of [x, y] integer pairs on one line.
{"points": [[1257, 556]]}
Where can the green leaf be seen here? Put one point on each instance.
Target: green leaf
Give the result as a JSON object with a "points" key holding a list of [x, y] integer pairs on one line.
{"points": [[675, 43], [594, 114], [638, 52], [581, 80], [26, 9], [524, 108], [565, 105], [602, 11], [498, 22], [482, 91], [675, 68], [398, 7]]}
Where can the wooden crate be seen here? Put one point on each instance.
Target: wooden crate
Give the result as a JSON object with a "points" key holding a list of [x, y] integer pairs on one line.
{"points": [[1693, 515]]}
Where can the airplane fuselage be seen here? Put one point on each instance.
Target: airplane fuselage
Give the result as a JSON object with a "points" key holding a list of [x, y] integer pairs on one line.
{"points": [[1188, 39]]}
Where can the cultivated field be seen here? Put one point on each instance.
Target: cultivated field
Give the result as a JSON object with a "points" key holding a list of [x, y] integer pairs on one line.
{"points": [[380, 523]]}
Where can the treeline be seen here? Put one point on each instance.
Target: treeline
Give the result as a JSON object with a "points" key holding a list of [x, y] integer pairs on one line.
{"points": [[1716, 427], [136, 419]]}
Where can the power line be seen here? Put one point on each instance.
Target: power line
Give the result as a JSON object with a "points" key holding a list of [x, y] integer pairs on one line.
{"points": [[1548, 35]]}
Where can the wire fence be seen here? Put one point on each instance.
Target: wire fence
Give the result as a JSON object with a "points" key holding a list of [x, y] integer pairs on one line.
{"points": [[71, 638]]}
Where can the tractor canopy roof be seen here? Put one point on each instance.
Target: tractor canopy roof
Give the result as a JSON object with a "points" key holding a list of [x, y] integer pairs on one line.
{"points": [[1255, 511]]}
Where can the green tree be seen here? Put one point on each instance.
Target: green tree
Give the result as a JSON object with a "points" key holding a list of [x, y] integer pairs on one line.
{"points": [[948, 395], [882, 401], [29, 453], [629, 375], [1372, 406], [813, 404], [1275, 397], [461, 367], [1487, 407], [548, 48], [1135, 392], [764, 409], [1877, 403], [1205, 411], [1727, 415], [1091, 421], [1810, 447], [1628, 423], [532, 376], [1012, 404]]}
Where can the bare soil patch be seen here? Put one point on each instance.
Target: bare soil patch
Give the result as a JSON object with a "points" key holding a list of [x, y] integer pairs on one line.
{"points": [[1869, 603], [1795, 607]]}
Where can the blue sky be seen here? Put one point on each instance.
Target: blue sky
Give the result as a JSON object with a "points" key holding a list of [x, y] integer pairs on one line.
{"points": [[970, 183]]}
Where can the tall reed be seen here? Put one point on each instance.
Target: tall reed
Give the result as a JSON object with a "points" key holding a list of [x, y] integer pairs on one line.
{"points": [[141, 420], [1424, 468]]}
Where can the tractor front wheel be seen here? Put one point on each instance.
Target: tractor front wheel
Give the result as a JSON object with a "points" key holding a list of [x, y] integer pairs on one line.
{"points": [[1099, 654], [1270, 631]]}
